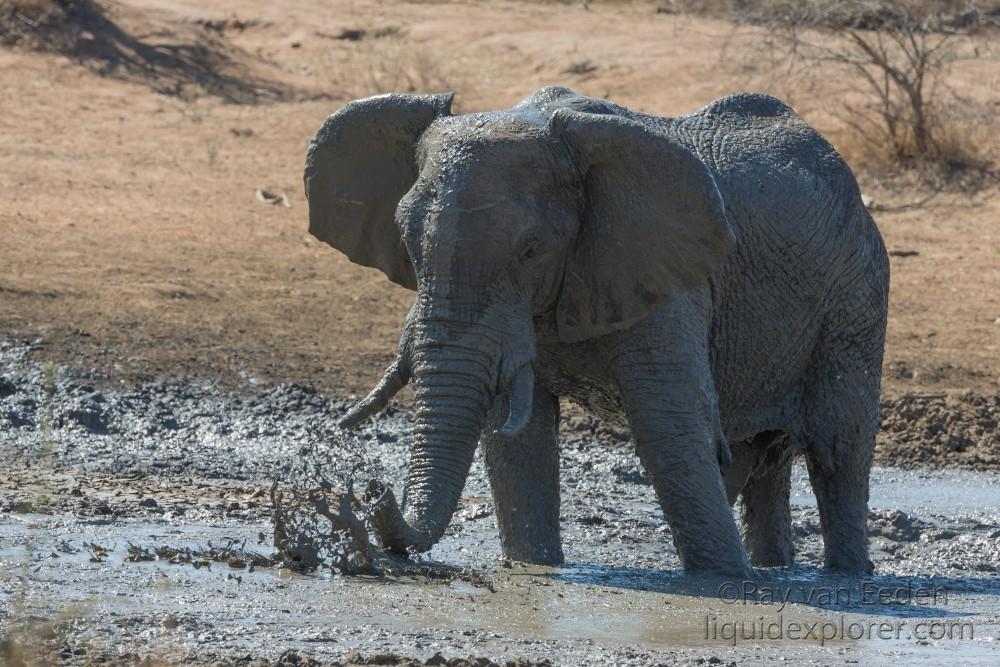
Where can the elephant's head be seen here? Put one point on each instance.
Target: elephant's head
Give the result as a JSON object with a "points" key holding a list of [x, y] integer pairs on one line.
{"points": [[558, 208]]}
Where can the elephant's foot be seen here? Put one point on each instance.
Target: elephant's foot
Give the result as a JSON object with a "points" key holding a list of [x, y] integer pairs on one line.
{"points": [[856, 564], [774, 552], [543, 552], [703, 551], [691, 493]]}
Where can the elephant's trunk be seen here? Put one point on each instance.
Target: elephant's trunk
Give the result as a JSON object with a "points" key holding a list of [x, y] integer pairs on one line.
{"points": [[453, 391]]}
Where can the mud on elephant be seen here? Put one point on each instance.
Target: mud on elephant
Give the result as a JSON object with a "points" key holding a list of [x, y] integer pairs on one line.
{"points": [[706, 279]]}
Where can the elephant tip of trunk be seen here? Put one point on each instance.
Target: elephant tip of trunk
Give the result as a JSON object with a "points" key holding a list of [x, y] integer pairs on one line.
{"points": [[393, 532]]}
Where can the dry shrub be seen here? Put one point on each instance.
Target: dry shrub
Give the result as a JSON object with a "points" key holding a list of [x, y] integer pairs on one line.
{"points": [[128, 43], [898, 57], [38, 21], [965, 149], [838, 14]]}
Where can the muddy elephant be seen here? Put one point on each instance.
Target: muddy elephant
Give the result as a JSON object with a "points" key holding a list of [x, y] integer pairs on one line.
{"points": [[705, 279]]}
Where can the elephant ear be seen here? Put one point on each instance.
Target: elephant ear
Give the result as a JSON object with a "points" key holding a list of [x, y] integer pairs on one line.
{"points": [[653, 224], [359, 165]]}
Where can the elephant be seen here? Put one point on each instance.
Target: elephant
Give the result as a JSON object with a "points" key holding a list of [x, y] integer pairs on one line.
{"points": [[711, 282]]}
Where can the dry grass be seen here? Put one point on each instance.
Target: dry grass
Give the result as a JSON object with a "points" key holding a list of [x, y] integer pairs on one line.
{"points": [[393, 65], [374, 64]]}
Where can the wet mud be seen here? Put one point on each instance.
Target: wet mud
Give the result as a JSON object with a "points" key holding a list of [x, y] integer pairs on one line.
{"points": [[136, 523], [940, 429]]}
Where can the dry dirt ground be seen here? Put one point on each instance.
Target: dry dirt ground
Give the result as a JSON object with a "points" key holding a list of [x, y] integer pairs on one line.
{"points": [[134, 243]]}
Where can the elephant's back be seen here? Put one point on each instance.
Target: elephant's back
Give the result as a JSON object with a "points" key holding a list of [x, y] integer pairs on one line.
{"points": [[756, 142], [806, 249], [790, 198]]}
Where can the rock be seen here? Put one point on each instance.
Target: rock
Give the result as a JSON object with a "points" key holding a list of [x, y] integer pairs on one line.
{"points": [[895, 525], [631, 475], [383, 659], [352, 34], [272, 198], [938, 535]]}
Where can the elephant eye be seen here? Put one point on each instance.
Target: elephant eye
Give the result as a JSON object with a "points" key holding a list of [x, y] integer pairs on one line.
{"points": [[529, 250]]}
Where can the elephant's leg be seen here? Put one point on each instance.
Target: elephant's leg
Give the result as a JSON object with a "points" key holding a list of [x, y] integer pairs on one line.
{"points": [[669, 396], [736, 475], [767, 516], [524, 476], [842, 498], [840, 442]]}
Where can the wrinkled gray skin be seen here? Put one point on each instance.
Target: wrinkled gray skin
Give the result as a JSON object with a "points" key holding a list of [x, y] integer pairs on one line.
{"points": [[707, 279]]}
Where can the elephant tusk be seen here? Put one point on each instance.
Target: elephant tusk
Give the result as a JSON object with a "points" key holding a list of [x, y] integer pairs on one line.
{"points": [[521, 398], [395, 378]]}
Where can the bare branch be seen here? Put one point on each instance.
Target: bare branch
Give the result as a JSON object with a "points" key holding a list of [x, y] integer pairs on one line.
{"points": [[896, 51]]}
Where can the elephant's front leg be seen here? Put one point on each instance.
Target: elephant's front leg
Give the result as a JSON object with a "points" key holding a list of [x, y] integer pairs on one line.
{"points": [[524, 475], [670, 401]]}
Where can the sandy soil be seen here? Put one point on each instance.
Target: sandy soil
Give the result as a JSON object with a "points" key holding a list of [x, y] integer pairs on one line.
{"points": [[133, 241]]}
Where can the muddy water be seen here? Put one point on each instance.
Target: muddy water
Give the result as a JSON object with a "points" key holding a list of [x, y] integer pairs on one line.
{"points": [[589, 612], [948, 492], [87, 473]]}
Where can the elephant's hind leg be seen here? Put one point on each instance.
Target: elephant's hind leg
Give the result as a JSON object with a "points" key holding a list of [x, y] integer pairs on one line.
{"points": [[767, 515], [524, 476], [840, 442]]}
